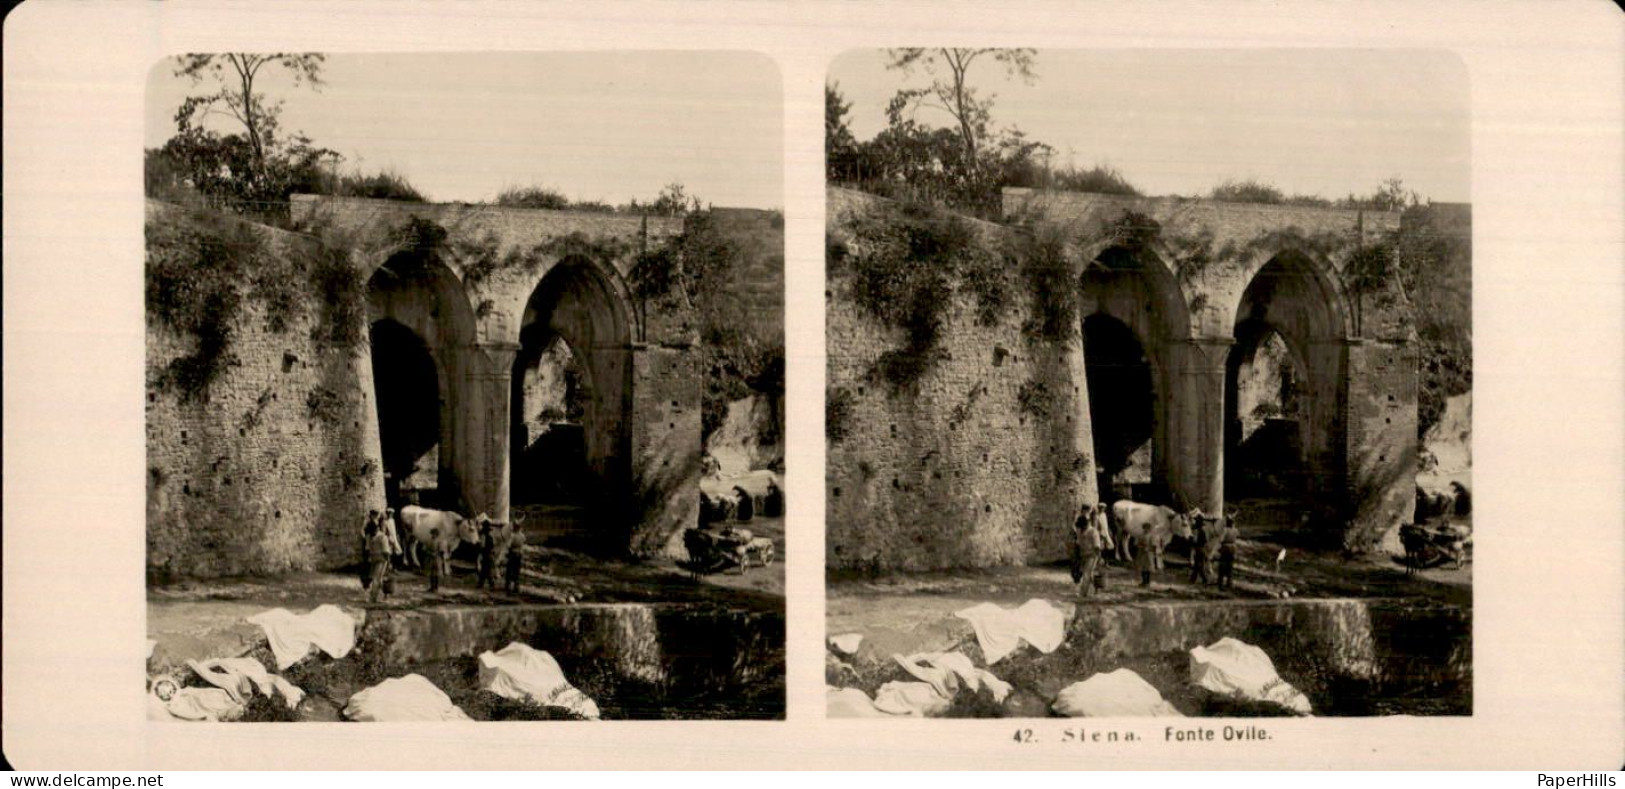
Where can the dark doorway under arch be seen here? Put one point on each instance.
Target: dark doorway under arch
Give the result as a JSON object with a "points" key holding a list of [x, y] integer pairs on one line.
{"points": [[1283, 395], [570, 431], [1264, 416], [407, 386], [548, 443], [1122, 404]]}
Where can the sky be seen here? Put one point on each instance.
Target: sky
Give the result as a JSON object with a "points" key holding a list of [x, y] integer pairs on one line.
{"points": [[595, 126], [1326, 122]]}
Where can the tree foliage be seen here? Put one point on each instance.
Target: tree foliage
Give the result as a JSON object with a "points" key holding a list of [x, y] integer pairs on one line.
{"points": [[962, 164], [254, 167], [950, 92]]}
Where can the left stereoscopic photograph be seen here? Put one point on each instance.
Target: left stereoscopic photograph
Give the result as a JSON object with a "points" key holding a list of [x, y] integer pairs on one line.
{"points": [[464, 387]]}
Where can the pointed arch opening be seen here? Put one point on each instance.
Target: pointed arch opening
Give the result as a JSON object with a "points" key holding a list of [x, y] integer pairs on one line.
{"points": [[421, 326], [570, 439], [1283, 400], [1133, 310]]}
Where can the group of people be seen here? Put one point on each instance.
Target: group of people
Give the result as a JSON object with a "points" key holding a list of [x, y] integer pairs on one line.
{"points": [[1205, 532], [495, 549], [383, 551], [741, 506], [1213, 540]]}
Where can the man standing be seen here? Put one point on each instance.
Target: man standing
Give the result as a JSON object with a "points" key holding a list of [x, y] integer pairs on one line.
{"points": [[1199, 542], [1144, 556], [367, 530], [378, 550], [1102, 524], [488, 550], [1088, 547], [393, 535], [514, 563]]}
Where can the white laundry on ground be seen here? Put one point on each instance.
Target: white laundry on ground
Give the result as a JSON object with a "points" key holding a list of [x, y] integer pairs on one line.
{"points": [[1236, 668], [151, 645], [408, 698], [846, 643], [291, 635], [193, 704], [850, 703], [242, 677], [1118, 694], [950, 672], [1000, 630], [520, 672], [912, 699]]}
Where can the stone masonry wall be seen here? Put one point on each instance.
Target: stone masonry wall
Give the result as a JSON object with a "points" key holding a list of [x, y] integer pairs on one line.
{"points": [[956, 473], [255, 480]]}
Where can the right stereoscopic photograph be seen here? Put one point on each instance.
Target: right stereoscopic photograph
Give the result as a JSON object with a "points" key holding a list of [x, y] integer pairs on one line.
{"points": [[1149, 383]]}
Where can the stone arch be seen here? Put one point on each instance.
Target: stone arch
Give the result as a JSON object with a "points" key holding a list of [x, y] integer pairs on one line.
{"points": [[1298, 298], [417, 305], [1138, 289], [577, 303], [1319, 278]]}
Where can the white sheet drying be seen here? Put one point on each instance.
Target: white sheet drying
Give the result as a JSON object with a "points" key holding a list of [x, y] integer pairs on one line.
{"points": [[846, 643], [1236, 668], [194, 704], [291, 635], [1000, 630], [520, 672], [242, 677], [850, 703], [910, 699], [950, 672], [1118, 694], [408, 698]]}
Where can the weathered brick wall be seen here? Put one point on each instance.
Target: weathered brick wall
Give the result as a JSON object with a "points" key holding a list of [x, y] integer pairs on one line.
{"points": [[666, 387], [250, 481], [955, 473]]}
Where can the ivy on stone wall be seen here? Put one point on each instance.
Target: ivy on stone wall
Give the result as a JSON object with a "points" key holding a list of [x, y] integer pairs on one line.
{"points": [[204, 269], [343, 292], [907, 261], [1041, 257], [194, 272], [1035, 398], [324, 405]]}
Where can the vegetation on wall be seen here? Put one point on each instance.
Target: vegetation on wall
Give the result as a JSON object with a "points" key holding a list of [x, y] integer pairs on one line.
{"points": [[1432, 251], [203, 270], [1035, 398], [906, 262], [194, 287], [1051, 278], [383, 185]]}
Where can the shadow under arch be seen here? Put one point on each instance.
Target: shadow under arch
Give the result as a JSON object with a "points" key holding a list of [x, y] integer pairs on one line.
{"points": [[578, 305], [1297, 299], [1134, 313], [421, 324]]}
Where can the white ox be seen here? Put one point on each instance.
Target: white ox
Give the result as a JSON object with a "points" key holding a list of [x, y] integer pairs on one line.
{"points": [[1149, 526], [417, 522]]}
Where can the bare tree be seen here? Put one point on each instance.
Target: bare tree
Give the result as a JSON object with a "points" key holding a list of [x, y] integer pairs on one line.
{"points": [[236, 72], [950, 92]]}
